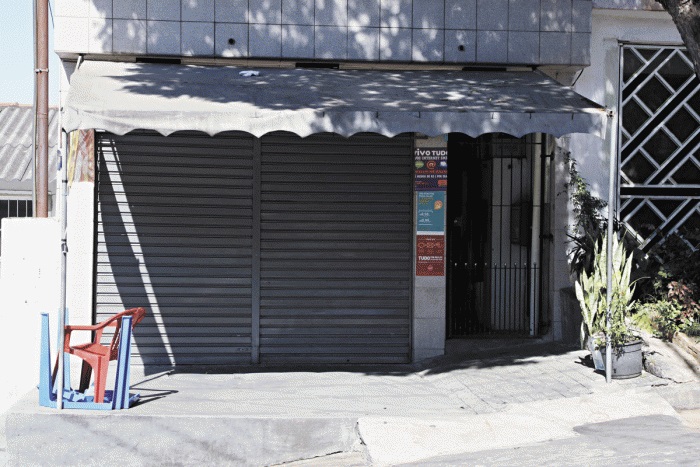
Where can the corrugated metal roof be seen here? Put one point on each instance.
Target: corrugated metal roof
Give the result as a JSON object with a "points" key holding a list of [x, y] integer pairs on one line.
{"points": [[16, 126]]}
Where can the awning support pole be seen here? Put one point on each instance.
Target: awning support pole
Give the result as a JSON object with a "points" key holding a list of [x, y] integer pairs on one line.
{"points": [[609, 247], [64, 270]]}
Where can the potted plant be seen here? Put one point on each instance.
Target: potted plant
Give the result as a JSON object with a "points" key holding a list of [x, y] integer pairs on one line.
{"points": [[591, 294], [588, 289]]}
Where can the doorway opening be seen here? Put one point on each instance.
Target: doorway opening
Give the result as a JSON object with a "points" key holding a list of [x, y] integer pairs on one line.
{"points": [[497, 200]]}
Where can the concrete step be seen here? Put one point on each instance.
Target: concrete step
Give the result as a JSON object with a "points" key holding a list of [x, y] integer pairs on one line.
{"points": [[120, 439], [40, 436]]}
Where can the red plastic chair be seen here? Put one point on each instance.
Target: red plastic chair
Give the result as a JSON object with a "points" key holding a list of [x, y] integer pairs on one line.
{"points": [[96, 356]]}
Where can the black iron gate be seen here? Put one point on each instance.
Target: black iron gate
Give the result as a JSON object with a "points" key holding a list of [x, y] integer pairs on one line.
{"points": [[493, 287]]}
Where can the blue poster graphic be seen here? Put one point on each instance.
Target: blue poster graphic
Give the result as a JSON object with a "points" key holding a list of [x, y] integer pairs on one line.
{"points": [[431, 211]]}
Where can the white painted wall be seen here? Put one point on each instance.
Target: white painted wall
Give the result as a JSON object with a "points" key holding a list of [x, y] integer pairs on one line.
{"points": [[599, 82], [29, 286], [564, 317], [80, 259], [80, 235]]}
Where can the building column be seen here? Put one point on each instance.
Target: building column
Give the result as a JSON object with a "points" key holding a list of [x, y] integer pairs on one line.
{"points": [[429, 290]]}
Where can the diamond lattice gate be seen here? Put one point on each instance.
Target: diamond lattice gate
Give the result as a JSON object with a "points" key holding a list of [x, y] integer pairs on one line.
{"points": [[660, 142]]}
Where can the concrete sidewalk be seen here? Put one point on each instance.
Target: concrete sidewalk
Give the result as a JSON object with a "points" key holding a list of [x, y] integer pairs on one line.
{"points": [[483, 395]]}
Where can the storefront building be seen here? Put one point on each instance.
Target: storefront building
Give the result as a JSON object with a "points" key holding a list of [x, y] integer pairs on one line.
{"points": [[316, 182]]}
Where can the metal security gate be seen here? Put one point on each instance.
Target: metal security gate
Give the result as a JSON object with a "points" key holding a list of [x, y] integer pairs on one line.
{"points": [[493, 287], [174, 234], [336, 249], [244, 250], [659, 141]]}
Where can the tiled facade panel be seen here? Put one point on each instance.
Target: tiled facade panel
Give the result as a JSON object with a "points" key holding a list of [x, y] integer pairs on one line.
{"points": [[528, 32]]}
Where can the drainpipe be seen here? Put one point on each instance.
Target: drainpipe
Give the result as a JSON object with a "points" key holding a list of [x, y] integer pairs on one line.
{"points": [[536, 231], [34, 115], [41, 71], [41, 135]]}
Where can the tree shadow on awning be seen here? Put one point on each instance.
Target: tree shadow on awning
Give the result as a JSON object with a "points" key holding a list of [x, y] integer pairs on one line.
{"points": [[120, 97]]}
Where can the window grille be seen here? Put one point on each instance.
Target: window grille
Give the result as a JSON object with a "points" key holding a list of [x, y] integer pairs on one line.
{"points": [[659, 142], [14, 208]]}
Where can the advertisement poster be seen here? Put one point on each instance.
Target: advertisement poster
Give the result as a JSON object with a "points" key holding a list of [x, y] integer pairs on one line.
{"points": [[81, 156], [430, 255], [430, 169], [430, 215]]}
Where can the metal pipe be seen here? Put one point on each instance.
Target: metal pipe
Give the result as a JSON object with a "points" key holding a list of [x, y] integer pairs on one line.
{"points": [[41, 79], [63, 152], [536, 226], [41, 174], [614, 151], [609, 247], [34, 113]]}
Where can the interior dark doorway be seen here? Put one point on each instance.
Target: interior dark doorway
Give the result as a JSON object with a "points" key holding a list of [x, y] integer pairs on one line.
{"points": [[493, 287], [467, 216]]}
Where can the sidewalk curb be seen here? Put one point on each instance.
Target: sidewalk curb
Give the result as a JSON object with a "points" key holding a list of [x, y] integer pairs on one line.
{"points": [[38, 439], [396, 440]]}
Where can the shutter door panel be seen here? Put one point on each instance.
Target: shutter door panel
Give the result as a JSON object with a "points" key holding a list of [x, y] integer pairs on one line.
{"points": [[174, 235], [336, 249]]}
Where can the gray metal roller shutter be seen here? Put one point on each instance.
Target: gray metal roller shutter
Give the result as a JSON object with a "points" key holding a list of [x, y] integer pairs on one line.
{"points": [[336, 249], [174, 235]]}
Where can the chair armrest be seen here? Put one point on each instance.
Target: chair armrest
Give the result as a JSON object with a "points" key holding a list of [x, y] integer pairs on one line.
{"points": [[70, 328], [114, 321], [81, 327]]}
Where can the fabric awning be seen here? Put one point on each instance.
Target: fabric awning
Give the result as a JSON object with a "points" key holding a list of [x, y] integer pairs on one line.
{"points": [[120, 97]]}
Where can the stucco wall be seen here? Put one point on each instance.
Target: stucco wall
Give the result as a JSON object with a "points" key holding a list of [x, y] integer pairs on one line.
{"points": [[599, 82], [535, 32], [29, 285]]}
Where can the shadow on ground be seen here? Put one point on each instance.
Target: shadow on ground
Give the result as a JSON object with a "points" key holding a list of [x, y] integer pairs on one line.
{"points": [[459, 354]]}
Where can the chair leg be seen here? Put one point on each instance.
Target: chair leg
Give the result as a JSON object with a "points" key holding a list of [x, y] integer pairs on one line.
{"points": [[85, 374], [101, 379], [54, 373]]}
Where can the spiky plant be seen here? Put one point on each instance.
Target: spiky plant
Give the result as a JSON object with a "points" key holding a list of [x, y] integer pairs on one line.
{"points": [[591, 293]]}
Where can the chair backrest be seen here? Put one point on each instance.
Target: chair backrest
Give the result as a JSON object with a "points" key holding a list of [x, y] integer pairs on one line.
{"points": [[137, 315]]}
